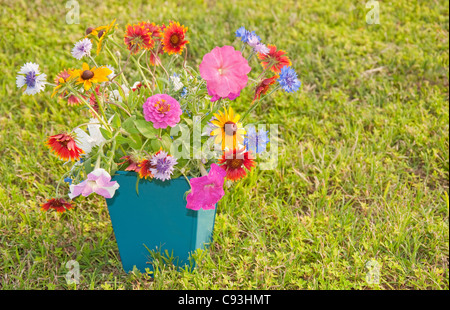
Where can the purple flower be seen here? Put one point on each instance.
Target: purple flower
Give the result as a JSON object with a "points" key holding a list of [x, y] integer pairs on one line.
{"points": [[30, 76], [82, 48], [207, 190], [163, 165], [98, 181]]}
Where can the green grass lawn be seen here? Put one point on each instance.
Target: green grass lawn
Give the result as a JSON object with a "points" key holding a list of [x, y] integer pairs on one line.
{"points": [[363, 167]]}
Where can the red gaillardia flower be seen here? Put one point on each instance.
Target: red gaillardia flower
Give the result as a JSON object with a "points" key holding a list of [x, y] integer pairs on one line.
{"points": [[64, 146], [132, 164], [153, 29], [58, 204], [144, 169], [173, 38], [264, 86], [137, 38], [274, 60], [234, 163]]}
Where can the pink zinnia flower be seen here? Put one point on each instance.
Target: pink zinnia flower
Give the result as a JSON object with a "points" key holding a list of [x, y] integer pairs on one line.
{"points": [[98, 181], [162, 110], [207, 190], [225, 71]]}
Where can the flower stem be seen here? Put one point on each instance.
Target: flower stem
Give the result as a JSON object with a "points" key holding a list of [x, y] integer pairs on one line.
{"points": [[257, 103]]}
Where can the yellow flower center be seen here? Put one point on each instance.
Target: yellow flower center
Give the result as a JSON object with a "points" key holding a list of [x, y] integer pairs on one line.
{"points": [[162, 106]]}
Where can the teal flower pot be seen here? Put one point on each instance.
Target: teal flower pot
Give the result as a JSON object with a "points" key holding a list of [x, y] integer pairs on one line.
{"points": [[156, 219]]}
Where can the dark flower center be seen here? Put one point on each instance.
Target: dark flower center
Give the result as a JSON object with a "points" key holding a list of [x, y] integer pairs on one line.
{"points": [[30, 79], [235, 163], [100, 33], [230, 128], [89, 30], [87, 74], [174, 39]]}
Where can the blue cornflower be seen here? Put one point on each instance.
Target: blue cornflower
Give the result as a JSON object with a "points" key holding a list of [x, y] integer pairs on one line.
{"points": [[68, 180], [245, 35], [288, 80], [256, 141], [30, 76], [241, 32]]}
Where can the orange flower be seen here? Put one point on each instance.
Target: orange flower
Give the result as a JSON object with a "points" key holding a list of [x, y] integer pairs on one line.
{"points": [[144, 169], [64, 146], [137, 38], [274, 60], [173, 38]]}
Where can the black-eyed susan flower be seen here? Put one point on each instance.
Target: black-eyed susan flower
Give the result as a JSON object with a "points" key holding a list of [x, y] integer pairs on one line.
{"points": [[229, 131], [88, 76], [101, 33]]}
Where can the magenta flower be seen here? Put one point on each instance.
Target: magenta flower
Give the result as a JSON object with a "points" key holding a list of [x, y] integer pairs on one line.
{"points": [[162, 110], [206, 190], [225, 71], [215, 97], [98, 181]]}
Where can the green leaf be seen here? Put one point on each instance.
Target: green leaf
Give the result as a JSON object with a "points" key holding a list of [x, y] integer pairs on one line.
{"points": [[129, 126], [115, 122], [135, 141], [88, 167], [146, 129], [105, 133], [156, 145], [166, 142]]}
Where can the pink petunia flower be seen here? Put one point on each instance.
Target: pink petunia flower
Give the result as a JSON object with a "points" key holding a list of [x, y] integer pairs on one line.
{"points": [[225, 71], [162, 110], [206, 190], [215, 97], [98, 181]]}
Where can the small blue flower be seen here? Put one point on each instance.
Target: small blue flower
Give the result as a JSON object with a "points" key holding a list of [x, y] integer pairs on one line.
{"points": [[184, 92], [241, 32], [256, 141], [245, 35], [68, 180], [288, 80]]}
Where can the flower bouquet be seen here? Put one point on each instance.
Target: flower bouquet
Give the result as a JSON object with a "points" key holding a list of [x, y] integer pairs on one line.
{"points": [[151, 116]]}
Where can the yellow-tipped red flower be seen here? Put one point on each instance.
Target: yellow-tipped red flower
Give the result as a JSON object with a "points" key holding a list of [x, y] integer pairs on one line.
{"points": [[235, 162], [64, 146], [58, 204], [173, 38], [274, 60]]}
